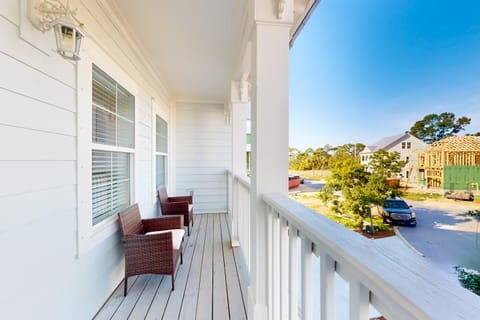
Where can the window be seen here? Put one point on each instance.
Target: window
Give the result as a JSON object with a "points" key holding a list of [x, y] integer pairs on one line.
{"points": [[113, 132], [403, 145], [161, 152], [409, 145]]}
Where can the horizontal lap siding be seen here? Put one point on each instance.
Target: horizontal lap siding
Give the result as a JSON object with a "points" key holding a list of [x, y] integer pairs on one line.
{"points": [[203, 153], [38, 170], [38, 197]]}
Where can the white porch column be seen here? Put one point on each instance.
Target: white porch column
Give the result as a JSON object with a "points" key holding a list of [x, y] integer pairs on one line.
{"points": [[239, 102], [269, 76]]}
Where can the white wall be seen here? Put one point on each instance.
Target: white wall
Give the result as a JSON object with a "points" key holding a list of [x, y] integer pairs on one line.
{"points": [[45, 275], [203, 154]]}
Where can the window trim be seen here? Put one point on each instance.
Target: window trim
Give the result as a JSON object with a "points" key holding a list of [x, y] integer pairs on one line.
{"points": [[89, 235], [157, 153]]}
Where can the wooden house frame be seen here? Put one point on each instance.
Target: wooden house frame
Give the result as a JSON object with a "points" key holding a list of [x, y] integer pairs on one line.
{"points": [[452, 151]]}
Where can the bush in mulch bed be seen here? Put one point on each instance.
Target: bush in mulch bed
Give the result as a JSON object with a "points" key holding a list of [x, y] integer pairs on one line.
{"points": [[470, 279]]}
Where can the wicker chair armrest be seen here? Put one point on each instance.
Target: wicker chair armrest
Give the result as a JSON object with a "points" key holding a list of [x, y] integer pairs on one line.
{"points": [[175, 208], [181, 199], [143, 243], [163, 223], [152, 250]]}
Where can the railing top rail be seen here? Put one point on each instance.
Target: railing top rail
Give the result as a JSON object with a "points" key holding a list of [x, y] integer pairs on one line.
{"points": [[243, 180], [404, 282]]}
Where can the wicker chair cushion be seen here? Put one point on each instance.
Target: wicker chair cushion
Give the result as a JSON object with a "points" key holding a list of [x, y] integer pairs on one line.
{"points": [[190, 207], [177, 235]]}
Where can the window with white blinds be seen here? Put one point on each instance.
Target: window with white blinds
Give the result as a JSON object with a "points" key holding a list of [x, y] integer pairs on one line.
{"points": [[161, 152], [113, 128]]}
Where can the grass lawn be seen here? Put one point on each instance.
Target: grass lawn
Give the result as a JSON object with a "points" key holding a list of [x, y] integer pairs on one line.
{"points": [[420, 196]]}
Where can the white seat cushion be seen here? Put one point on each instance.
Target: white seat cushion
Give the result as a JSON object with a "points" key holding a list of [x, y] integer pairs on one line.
{"points": [[177, 235], [190, 207]]}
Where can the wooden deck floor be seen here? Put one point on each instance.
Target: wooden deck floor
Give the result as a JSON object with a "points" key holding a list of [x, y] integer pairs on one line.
{"points": [[210, 284]]}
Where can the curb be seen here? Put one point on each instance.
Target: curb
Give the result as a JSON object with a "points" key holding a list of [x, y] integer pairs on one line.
{"points": [[402, 238]]}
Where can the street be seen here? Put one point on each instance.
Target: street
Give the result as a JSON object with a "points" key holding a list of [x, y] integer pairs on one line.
{"points": [[445, 234]]}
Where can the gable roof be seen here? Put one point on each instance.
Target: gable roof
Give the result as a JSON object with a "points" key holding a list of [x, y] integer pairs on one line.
{"points": [[386, 143]]}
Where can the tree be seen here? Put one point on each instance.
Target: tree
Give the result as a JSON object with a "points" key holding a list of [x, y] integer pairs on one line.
{"points": [[319, 159], [348, 150], [435, 127], [361, 190], [386, 164]]}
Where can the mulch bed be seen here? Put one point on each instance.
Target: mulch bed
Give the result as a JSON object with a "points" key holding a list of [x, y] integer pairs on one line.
{"points": [[378, 234]]}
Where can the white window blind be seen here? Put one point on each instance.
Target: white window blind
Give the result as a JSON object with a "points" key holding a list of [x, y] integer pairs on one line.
{"points": [[161, 152], [113, 125]]}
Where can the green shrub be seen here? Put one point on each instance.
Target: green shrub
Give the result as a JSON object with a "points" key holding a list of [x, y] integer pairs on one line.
{"points": [[470, 279]]}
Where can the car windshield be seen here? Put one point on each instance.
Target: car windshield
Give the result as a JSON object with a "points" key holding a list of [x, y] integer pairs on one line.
{"points": [[399, 204]]}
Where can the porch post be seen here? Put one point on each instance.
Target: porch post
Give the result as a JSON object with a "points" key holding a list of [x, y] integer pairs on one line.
{"points": [[269, 76], [239, 98]]}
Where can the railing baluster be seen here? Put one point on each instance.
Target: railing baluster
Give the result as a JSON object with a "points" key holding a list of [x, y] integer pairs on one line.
{"points": [[276, 264], [270, 261], [359, 300], [236, 205], [283, 269], [293, 272], [306, 263], [327, 287]]}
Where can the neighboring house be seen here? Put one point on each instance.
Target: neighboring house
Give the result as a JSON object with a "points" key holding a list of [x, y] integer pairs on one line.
{"points": [[159, 98], [406, 145]]}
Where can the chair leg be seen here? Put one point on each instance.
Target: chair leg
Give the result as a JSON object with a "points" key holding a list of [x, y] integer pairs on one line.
{"points": [[125, 286], [188, 228], [173, 282]]}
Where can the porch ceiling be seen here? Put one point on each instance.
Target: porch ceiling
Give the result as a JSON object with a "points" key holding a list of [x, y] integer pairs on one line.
{"points": [[192, 45]]}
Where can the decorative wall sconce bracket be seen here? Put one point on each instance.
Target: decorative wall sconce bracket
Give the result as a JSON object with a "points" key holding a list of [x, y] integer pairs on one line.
{"points": [[53, 14]]}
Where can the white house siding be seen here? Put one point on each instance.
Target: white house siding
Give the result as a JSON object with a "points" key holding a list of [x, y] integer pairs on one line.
{"points": [[45, 276], [416, 145], [203, 154]]}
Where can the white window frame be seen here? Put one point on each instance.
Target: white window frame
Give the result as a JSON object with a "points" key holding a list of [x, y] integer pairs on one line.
{"points": [[89, 235], [156, 153], [129, 151]]}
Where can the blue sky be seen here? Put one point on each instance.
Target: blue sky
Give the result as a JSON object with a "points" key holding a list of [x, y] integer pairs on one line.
{"points": [[365, 69]]}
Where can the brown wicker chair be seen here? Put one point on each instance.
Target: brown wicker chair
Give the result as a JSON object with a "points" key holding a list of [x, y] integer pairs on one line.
{"points": [[176, 205], [150, 245]]}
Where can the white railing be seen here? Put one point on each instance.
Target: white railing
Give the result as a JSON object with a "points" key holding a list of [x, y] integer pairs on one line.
{"points": [[239, 207], [399, 284], [311, 259]]}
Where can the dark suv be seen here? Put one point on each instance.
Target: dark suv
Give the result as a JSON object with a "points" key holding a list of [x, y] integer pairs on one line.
{"points": [[397, 211]]}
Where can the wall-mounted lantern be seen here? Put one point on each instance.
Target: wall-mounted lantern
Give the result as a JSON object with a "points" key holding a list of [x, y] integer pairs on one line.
{"points": [[48, 14]]}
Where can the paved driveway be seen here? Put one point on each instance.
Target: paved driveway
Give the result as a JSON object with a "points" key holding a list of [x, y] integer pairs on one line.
{"points": [[445, 234]]}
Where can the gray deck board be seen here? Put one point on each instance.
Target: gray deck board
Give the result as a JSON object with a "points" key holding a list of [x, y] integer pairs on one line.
{"points": [[220, 296], [190, 298], [207, 285], [235, 298], [205, 295]]}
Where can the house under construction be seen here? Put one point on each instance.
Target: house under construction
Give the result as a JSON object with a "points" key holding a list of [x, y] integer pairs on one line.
{"points": [[452, 163]]}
